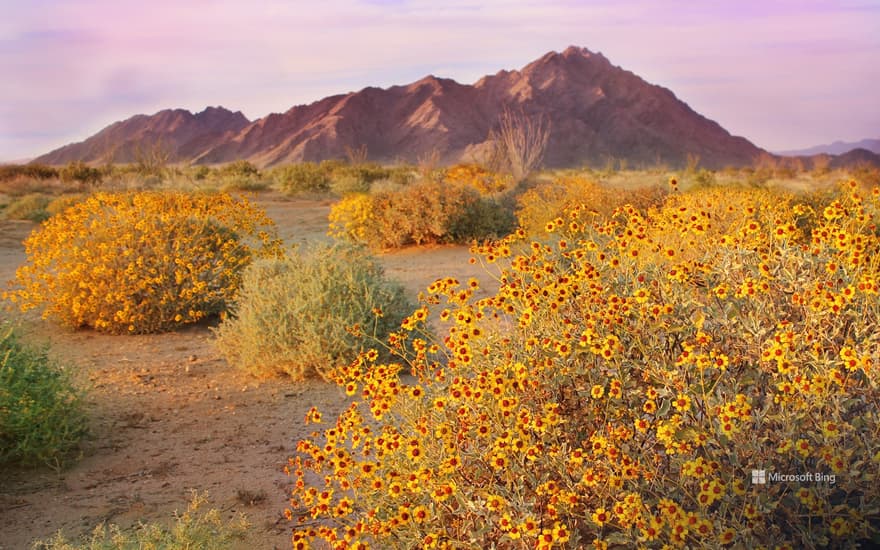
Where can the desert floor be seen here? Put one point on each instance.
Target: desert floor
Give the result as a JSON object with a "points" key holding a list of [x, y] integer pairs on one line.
{"points": [[169, 416]]}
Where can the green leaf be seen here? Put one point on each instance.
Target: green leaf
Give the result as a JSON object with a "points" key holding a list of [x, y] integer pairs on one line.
{"points": [[664, 408]]}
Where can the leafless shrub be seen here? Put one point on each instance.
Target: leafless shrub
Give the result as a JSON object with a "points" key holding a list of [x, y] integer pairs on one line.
{"points": [[520, 142], [428, 163], [356, 155], [152, 157]]}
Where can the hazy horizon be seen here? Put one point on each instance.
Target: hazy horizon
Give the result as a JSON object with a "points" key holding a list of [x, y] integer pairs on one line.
{"points": [[785, 75]]}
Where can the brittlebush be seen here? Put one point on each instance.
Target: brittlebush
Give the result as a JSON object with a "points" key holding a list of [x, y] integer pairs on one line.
{"points": [[621, 386], [141, 262], [545, 202], [484, 181], [422, 213]]}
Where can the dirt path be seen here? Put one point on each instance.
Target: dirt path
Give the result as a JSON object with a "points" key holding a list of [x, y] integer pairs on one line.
{"points": [[169, 416]]}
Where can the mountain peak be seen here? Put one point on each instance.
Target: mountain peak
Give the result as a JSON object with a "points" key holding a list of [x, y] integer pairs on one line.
{"points": [[576, 50], [572, 59], [220, 116], [219, 110], [570, 53]]}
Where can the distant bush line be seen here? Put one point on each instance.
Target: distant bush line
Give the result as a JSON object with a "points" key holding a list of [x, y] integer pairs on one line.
{"points": [[386, 207]]}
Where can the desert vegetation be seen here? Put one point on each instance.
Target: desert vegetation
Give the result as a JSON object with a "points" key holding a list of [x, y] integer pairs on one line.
{"points": [[427, 212], [140, 262], [302, 314], [640, 342], [194, 528], [621, 386], [41, 414]]}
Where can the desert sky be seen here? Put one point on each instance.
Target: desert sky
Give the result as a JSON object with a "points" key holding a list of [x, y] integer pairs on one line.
{"points": [[785, 74]]}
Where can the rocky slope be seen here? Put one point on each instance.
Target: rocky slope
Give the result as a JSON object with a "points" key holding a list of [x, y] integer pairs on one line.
{"points": [[597, 113]]}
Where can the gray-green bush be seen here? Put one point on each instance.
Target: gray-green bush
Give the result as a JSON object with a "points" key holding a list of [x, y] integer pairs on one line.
{"points": [[192, 530], [29, 207], [309, 312], [305, 177], [80, 172]]}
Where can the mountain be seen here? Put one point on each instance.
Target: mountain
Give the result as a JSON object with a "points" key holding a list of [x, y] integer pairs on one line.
{"points": [[597, 112], [855, 158], [177, 133], [836, 148]]}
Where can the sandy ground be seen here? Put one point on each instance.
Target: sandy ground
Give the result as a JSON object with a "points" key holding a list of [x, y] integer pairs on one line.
{"points": [[169, 416]]}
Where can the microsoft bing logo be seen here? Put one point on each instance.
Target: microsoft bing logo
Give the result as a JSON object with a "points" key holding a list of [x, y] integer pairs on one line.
{"points": [[759, 477]]}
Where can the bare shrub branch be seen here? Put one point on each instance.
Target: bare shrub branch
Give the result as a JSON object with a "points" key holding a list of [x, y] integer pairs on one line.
{"points": [[152, 158], [521, 141], [356, 156], [428, 162]]}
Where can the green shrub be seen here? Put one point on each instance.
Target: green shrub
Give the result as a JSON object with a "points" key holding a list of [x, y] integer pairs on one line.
{"points": [[487, 217], [346, 184], [704, 178], [192, 530], [337, 176], [296, 315], [32, 171], [240, 168], [201, 173], [80, 172], [41, 417], [244, 184], [241, 175], [305, 177], [29, 207], [364, 174]]}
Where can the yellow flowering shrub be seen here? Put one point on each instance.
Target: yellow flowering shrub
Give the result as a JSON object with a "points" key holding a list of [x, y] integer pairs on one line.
{"points": [[543, 203], [479, 178], [142, 261], [609, 395], [350, 218], [421, 213]]}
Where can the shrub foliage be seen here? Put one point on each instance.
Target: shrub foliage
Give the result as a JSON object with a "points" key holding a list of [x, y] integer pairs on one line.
{"points": [[80, 172], [194, 529], [421, 213], [28, 207], [35, 171], [141, 262], [303, 314], [545, 202], [41, 417], [483, 180], [620, 388]]}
